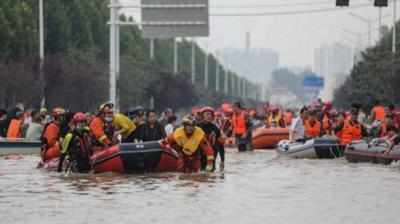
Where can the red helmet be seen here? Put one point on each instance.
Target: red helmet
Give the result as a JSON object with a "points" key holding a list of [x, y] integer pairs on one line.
{"points": [[207, 109], [328, 106], [79, 118]]}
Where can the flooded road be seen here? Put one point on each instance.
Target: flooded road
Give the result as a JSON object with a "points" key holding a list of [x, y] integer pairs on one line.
{"points": [[255, 188]]}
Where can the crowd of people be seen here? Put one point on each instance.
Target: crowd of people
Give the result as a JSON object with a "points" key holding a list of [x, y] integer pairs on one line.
{"points": [[200, 137]]}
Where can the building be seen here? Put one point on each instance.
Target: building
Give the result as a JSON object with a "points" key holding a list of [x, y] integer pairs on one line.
{"points": [[334, 63], [255, 64]]}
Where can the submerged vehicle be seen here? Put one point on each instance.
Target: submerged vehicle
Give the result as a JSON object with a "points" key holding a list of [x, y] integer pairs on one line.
{"points": [[321, 148]]}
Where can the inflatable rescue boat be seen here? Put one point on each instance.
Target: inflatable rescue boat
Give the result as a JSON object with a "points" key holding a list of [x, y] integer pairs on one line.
{"points": [[268, 138], [137, 158], [321, 148], [378, 151]]}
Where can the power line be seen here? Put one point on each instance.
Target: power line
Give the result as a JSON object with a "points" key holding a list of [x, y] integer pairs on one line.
{"points": [[271, 5], [281, 13]]}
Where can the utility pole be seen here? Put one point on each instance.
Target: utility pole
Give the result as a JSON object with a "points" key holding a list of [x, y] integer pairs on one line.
{"points": [[225, 82], [206, 68], [233, 85], [380, 23], [114, 52], [152, 49], [175, 56], [193, 61], [41, 55], [217, 75], [394, 27]]}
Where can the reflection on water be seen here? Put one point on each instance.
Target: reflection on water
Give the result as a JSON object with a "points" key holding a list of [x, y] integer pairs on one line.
{"points": [[256, 187]]}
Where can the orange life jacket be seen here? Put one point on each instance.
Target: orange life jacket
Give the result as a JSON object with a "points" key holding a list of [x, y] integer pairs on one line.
{"points": [[51, 135], [379, 112], [313, 130], [239, 124], [14, 129], [350, 132], [97, 127], [326, 126]]}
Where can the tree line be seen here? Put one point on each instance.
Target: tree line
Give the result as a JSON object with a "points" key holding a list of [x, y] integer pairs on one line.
{"points": [[76, 61], [375, 77]]}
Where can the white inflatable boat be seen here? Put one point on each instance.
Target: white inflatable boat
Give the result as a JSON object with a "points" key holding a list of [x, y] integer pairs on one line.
{"points": [[321, 148]]}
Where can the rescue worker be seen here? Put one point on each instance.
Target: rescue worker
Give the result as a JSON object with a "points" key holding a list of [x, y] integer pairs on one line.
{"points": [[51, 136], [378, 112], [189, 140], [152, 130], [350, 130], [14, 130], [214, 137], [76, 147], [275, 120], [240, 127], [124, 127], [312, 126], [101, 125]]}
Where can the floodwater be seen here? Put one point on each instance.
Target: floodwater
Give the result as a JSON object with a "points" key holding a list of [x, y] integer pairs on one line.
{"points": [[256, 187]]}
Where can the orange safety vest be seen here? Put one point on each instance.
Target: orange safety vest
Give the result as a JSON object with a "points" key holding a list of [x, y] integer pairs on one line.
{"points": [[239, 124], [14, 129], [379, 112], [313, 130], [326, 123], [350, 132], [51, 134], [97, 130]]}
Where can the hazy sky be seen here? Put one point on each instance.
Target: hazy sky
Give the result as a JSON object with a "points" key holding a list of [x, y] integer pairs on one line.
{"points": [[293, 36]]}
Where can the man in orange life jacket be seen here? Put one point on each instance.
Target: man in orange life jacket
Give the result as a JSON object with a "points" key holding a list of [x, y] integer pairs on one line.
{"points": [[189, 140], [15, 127], [100, 127], [240, 127], [378, 112], [51, 136], [312, 126], [350, 130]]}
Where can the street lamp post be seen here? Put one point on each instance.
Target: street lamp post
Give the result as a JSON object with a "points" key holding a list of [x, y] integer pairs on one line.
{"points": [[394, 27], [41, 55]]}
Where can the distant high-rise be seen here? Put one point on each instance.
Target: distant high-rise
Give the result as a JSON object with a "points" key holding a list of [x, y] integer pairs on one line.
{"points": [[255, 64], [334, 63], [248, 41]]}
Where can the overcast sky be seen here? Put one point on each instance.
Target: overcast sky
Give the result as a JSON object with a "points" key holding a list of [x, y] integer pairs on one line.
{"points": [[293, 36]]}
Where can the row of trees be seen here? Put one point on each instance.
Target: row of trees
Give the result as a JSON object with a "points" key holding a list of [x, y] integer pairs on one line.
{"points": [[76, 63], [374, 78]]}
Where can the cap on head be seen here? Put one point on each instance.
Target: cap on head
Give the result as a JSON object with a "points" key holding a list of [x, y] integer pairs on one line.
{"points": [[58, 111], [188, 120]]}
